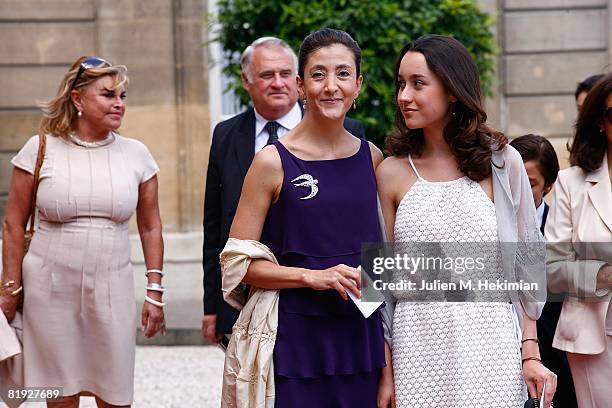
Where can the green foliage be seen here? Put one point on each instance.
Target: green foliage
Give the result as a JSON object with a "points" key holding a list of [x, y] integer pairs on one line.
{"points": [[381, 27]]}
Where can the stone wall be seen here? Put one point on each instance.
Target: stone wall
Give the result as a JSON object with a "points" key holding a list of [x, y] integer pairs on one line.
{"points": [[161, 42], [548, 46]]}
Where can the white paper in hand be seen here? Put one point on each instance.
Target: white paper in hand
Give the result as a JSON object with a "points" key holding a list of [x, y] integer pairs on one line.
{"points": [[366, 308]]}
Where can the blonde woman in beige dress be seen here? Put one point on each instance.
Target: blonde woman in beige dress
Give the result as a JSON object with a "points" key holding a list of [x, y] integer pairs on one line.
{"points": [[79, 312]]}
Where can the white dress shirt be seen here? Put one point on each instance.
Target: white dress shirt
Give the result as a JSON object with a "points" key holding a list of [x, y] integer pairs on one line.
{"points": [[540, 212], [287, 122]]}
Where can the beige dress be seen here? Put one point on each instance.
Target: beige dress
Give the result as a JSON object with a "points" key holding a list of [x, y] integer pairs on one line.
{"points": [[79, 311]]}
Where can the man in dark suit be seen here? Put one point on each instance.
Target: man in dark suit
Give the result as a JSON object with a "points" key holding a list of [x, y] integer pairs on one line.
{"points": [[269, 68]]}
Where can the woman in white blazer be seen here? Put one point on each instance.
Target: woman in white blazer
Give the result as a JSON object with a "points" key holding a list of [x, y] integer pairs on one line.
{"points": [[579, 257]]}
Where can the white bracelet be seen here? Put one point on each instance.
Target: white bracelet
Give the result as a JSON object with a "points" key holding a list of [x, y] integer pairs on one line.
{"points": [[156, 287], [154, 271], [154, 302]]}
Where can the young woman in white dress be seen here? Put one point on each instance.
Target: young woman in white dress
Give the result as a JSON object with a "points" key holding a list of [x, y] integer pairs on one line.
{"points": [[441, 184]]}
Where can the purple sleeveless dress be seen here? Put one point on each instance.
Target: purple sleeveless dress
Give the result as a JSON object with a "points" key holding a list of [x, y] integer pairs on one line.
{"points": [[326, 353]]}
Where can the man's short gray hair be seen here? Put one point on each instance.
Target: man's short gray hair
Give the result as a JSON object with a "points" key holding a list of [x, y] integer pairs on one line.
{"points": [[247, 54]]}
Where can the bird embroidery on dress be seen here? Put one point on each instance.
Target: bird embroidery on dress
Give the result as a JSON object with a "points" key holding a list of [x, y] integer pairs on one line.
{"points": [[308, 181]]}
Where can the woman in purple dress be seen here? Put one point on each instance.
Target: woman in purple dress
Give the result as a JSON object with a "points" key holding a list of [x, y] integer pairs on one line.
{"points": [[311, 198]]}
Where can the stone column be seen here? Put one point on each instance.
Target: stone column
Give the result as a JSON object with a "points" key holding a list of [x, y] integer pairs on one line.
{"points": [[161, 42], [192, 111]]}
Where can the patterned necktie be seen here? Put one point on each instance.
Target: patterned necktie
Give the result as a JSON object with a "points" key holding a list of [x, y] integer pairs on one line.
{"points": [[272, 129]]}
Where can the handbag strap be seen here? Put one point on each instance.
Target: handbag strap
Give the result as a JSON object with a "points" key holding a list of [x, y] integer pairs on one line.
{"points": [[42, 144]]}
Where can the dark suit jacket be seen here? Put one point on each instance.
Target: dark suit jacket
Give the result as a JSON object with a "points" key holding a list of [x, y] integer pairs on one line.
{"points": [[231, 154]]}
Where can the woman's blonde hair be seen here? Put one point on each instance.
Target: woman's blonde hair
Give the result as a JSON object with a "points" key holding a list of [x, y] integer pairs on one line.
{"points": [[59, 114]]}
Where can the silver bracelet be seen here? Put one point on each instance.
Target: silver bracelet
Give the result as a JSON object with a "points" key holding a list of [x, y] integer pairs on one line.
{"points": [[156, 287], [154, 302], [154, 271]]}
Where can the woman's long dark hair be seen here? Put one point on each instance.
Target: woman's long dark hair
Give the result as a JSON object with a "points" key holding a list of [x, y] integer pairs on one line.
{"points": [[470, 139], [589, 145]]}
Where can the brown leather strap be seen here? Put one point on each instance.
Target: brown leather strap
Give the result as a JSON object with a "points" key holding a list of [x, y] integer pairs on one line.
{"points": [[42, 144]]}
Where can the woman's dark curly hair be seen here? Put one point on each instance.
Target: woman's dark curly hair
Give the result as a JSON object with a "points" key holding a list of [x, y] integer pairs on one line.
{"points": [[589, 145], [471, 140]]}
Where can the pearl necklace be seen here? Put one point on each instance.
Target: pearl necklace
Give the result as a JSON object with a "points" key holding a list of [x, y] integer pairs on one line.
{"points": [[107, 140]]}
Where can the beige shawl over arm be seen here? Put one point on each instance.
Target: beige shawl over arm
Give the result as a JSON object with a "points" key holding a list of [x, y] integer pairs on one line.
{"points": [[248, 375], [11, 359]]}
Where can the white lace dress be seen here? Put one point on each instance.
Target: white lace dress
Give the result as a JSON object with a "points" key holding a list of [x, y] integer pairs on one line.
{"points": [[448, 355]]}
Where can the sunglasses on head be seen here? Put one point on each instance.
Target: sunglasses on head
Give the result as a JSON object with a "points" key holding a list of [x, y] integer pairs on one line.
{"points": [[608, 115], [88, 63]]}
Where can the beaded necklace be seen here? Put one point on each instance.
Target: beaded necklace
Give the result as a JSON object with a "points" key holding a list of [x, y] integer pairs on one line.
{"points": [[107, 140]]}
